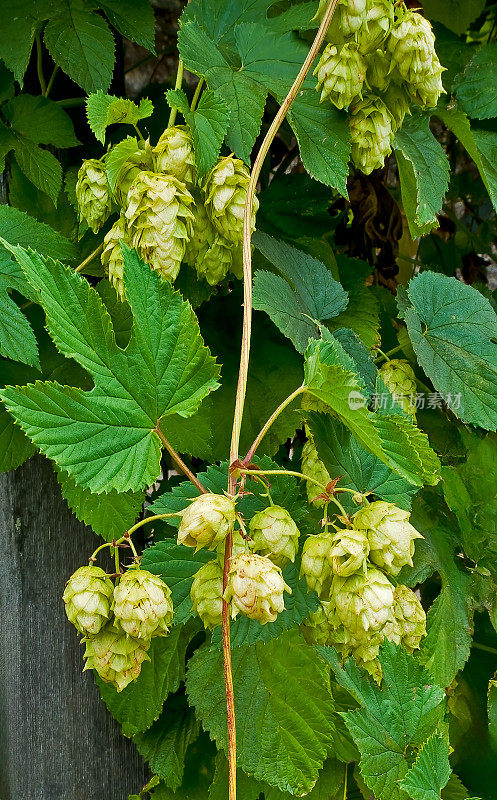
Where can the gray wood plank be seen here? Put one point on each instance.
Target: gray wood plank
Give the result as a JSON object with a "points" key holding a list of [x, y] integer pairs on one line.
{"points": [[58, 741]]}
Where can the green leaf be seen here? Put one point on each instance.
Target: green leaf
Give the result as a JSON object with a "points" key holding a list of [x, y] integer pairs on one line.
{"points": [[305, 293], [17, 339], [103, 110], [165, 744], [133, 18], [16, 227], [424, 173], [362, 314], [430, 772], [453, 329], [117, 156], [475, 88], [454, 14], [208, 124], [109, 515], [282, 688], [21, 21], [15, 448], [138, 706], [198, 773], [492, 709], [393, 720], [177, 566], [81, 43], [40, 167], [106, 438], [41, 120]]}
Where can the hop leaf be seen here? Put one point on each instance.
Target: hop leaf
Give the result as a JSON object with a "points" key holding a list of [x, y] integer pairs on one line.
{"points": [[400, 381], [117, 657], [207, 521], [341, 74], [390, 534], [88, 598], [93, 194], [255, 588], [371, 133], [112, 257], [207, 594], [225, 192], [275, 534], [124, 163], [142, 604], [174, 154]]}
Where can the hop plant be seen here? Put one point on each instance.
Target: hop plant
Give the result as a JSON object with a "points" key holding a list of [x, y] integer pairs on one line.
{"points": [[142, 604], [379, 74], [255, 588], [313, 467], [349, 552], [399, 378], [225, 192], [160, 221], [391, 536], [117, 657], [142, 159], [215, 262], [371, 133], [275, 534], [378, 21], [396, 100], [409, 620], [174, 154], [88, 599], [93, 194], [412, 45], [207, 594], [112, 258], [363, 601], [207, 521], [341, 74], [316, 563]]}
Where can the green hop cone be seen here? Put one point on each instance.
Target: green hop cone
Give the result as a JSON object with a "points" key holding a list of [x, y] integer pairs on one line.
{"points": [[412, 46], [379, 18], [349, 552], [159, 219], [341, 74], [112, 258], [215, 261], [396, 100], [316, 564], [88, 598], [391, 536], [363, 601], [93, 194], [313, 467], [317, 628], [400, 380], [142, 604], [117, 657], [275, 534], [225, 192], [142, 158], [427, 91], [174, 154], [371, 133], [207, 521], [255, 588], [408, 625], [348, 19], [379, 75], [207, 594], [203, 232]]}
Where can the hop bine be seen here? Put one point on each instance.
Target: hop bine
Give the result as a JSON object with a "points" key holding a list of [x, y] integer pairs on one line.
{"points": [[207, 521], [275, 534], [142, 604], [255, 588], [93, 194], [88, 597], [117, 657]]}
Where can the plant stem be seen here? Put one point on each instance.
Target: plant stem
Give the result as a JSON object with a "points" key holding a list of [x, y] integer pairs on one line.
{"points": [[198, 89], [484, 647], [244, 362], [117, 565], [89, 258], [50, 82], [71, 102], [274, 416], [177, 85], [391, 352], [151, 519], [179, 461], [138, 132], [39, 65]]}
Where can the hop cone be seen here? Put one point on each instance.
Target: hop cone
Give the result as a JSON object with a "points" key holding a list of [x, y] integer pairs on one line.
{"points": [[317, 628], [397, 103], [379, 75], [314, 468], [117, 657], [349, 552], [255, 588], [316, 564], [207, 594], [412, 45], [426, 92], [400, 381], [275, 534], [349, 17], [88, 598], [215, 262], [378, 22], [142, 604], [409, 620], [225, 192], [93, 194], [112, 259], [207, 521], [138, 161], [174, 154], [371, 133], [363, 601], [203, 233], [390, 534], [341, 74], [160, 221]]}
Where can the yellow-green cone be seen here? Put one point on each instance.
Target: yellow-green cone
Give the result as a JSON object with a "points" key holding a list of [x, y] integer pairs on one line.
{"points": [[93, 194], [400, 380], [174, 154], [207, 594], [255, 588], [142, 604], [313, 467], [112, 259], [275, 534], [225, 194], [390, 534], [117, 657], [371, 133], [88, 598], [341, 74], [207, 521], [316, 562]]}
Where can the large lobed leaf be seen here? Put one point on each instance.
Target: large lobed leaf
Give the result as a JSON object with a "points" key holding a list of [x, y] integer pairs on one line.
{"points": [[107, 438]]}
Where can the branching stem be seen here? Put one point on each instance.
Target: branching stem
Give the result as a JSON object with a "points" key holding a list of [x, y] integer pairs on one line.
{"points": [[198, 90], [89, 258], [179, 462], [274, 416], [39, 65], [177, 85]]}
